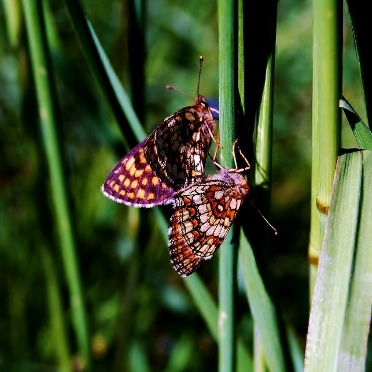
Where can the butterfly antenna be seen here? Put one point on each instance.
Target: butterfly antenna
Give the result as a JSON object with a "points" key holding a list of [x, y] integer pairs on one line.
{"points": [[201, 60], [171, 87], [259, 212]]}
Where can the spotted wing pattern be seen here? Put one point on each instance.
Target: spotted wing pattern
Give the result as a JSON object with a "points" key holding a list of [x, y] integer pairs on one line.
{"points": [[183, 260], [170, 158], [202, 216], [178, 148], [133, 182]]}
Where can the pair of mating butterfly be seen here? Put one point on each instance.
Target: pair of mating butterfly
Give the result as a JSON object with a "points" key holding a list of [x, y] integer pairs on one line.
{"points": [[168, 167]]}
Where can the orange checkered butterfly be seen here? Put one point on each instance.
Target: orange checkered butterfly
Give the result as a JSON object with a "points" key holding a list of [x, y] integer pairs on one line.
{"points": [[172, 157], [202, 216]]}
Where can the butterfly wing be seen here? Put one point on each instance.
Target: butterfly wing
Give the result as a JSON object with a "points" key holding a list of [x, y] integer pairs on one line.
{"points": [[202, 216], [178, 147], [134, 182], [183, 260], [170, 158]]}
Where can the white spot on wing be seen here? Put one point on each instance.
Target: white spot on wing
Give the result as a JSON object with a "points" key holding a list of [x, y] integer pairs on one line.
{"points": [[204, 217], [218, 194]]}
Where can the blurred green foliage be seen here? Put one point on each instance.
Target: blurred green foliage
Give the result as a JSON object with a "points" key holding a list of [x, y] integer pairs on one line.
{"points": [[140, 314]]}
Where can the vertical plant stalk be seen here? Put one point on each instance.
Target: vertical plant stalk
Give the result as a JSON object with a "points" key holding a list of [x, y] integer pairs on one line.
{"points": [[55, 309], [270, 346], [326, 119], [263, 171], [13, 21], [227, 99], [264, 138], [46, 99], [359, 16]]}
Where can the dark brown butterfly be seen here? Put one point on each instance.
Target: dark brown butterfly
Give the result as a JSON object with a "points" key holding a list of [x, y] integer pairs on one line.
{"points": [[172, 157]]}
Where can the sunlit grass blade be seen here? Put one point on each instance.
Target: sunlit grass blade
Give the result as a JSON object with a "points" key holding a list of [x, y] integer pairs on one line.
{"points": [[296, 350], [13, 21], [48, 121], [262, 308], [327, 67], [227, 34], [341, 307], [361, 131]]}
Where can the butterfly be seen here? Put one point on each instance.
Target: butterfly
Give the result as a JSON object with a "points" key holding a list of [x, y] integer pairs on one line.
{"points": [[172, 157], [202, 215]]}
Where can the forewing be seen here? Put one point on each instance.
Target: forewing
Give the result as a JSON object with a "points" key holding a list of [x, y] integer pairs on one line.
{"points": [[134, 182], [178, 147]]}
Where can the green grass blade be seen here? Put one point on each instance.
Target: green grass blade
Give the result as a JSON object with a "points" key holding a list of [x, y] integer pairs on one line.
{"points": [[227, 99], [341, 308], [58, 331], [209, 312], [262, 308], [326, 118], [13, 21], [358, 313], [361, 131], [112, 90], [296, 350], [265, 133], [46, 99], [360, 20]]}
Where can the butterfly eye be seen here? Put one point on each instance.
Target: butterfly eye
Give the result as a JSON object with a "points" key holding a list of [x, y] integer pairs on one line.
{"points": [[203, 102]]}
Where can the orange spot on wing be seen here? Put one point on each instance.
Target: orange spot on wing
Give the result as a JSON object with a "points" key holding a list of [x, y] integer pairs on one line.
{"points": [[141, 193], [142, 158], [129, 163], [138, 173], [132, 171]]}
